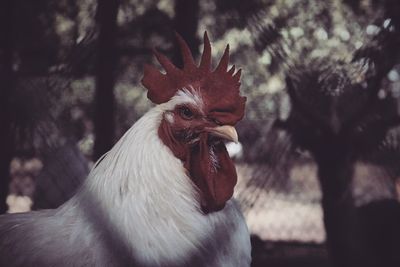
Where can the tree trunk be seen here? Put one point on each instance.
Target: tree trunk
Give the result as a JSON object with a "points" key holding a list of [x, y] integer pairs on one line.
{"points": [[367, 235], [335, 176], [185, 23], [104, 111], [7, 83]]}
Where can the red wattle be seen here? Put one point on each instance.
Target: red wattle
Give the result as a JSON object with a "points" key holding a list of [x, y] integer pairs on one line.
{"points": [[216, 180]]}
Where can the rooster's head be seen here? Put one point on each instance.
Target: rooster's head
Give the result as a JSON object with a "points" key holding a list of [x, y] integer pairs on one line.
{"points": [[201, 107]]}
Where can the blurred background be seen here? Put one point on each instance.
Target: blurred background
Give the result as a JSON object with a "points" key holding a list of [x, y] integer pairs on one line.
{"points": [[70, 87]]}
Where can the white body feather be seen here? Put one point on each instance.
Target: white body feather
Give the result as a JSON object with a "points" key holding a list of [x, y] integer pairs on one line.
{"points": [[137, 207]]}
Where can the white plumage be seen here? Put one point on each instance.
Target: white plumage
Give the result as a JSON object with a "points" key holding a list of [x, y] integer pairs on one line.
{"points": [[138, 207]]}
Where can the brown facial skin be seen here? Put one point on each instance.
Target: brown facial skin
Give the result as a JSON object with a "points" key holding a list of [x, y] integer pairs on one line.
{"points": [[197, 140]]}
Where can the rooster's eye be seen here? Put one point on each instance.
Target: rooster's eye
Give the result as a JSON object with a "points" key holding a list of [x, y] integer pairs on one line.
{"points": [[185, 113]]}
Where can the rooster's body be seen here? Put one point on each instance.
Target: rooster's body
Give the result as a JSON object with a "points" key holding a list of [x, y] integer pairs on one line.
{"points": [[140, 206]]}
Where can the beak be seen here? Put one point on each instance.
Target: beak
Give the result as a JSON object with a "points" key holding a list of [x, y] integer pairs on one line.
{"points": [[226, 131]]}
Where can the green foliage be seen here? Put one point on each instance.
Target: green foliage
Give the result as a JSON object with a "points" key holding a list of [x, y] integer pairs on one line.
{"points": [[62, 39]]}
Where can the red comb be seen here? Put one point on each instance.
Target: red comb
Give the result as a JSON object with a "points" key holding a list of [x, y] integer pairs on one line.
{"points": [[162, 87]]}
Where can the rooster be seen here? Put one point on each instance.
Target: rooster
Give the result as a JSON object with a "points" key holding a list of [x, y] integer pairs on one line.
{"points": [[162, 196]]}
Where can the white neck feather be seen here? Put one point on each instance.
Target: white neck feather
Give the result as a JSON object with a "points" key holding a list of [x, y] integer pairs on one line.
{"points": [[148, 196]]}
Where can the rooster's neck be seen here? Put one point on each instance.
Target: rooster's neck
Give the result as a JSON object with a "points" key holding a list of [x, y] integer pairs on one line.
{"points": [[143, 192]]}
